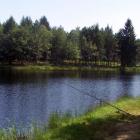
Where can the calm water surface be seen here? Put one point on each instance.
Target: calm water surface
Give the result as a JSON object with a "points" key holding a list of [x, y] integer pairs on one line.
{"points": [[26, 98]]}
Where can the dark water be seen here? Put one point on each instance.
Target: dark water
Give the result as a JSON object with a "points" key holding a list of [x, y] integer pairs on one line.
{"points": [[26, 98]]}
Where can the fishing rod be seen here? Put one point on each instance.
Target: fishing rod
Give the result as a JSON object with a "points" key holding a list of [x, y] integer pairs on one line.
{"points": [[99, 99]]}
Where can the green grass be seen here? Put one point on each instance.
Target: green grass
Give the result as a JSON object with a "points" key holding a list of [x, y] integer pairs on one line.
{"points": [[93, 124], [48, 68], [133, 69], [97, 124]]}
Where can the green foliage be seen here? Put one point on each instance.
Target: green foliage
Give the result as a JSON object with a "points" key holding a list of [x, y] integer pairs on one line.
{"points": [[54, 121], [126, 41], [58, 44], [109, 43], [90, 126], [73, 45], [98, 124], [26, 22], [97, 44], [89, 50], [14, 45], [9, 25], [30, 42], [41, 43], [44, 21]]}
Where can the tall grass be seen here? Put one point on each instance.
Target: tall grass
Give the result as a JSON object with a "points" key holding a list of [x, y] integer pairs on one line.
{"points": [[97, 124]]}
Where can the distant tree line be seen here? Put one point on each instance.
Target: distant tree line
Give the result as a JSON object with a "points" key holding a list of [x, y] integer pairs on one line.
{"points": [[37, 41]]}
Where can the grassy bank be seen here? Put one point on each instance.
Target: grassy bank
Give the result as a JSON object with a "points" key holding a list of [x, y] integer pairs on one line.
{"points": [[48, 68], [100, 124]]}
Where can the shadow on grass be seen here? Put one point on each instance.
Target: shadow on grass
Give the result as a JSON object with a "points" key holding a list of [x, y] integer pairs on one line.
{"points": [[108, 128], [91, 130], [97, 129]]}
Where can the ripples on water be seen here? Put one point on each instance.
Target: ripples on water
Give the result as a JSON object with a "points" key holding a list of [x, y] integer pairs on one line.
{"points": [[26, 98]]}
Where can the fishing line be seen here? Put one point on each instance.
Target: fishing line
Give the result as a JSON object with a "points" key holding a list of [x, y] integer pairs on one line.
{"points": [[99, 99]]}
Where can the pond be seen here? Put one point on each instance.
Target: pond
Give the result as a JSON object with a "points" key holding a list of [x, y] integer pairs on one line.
{"points": [[32, 97]]}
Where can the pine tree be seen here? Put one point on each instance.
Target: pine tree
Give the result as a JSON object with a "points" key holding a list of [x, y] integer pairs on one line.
{"points": [[126, 40]]}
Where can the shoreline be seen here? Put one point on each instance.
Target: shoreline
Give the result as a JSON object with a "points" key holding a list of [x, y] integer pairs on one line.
{"points": [[102, 123], [49, 68]]}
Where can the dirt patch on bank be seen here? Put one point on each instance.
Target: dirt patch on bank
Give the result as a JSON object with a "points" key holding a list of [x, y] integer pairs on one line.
{"points": [[129, 130]]}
